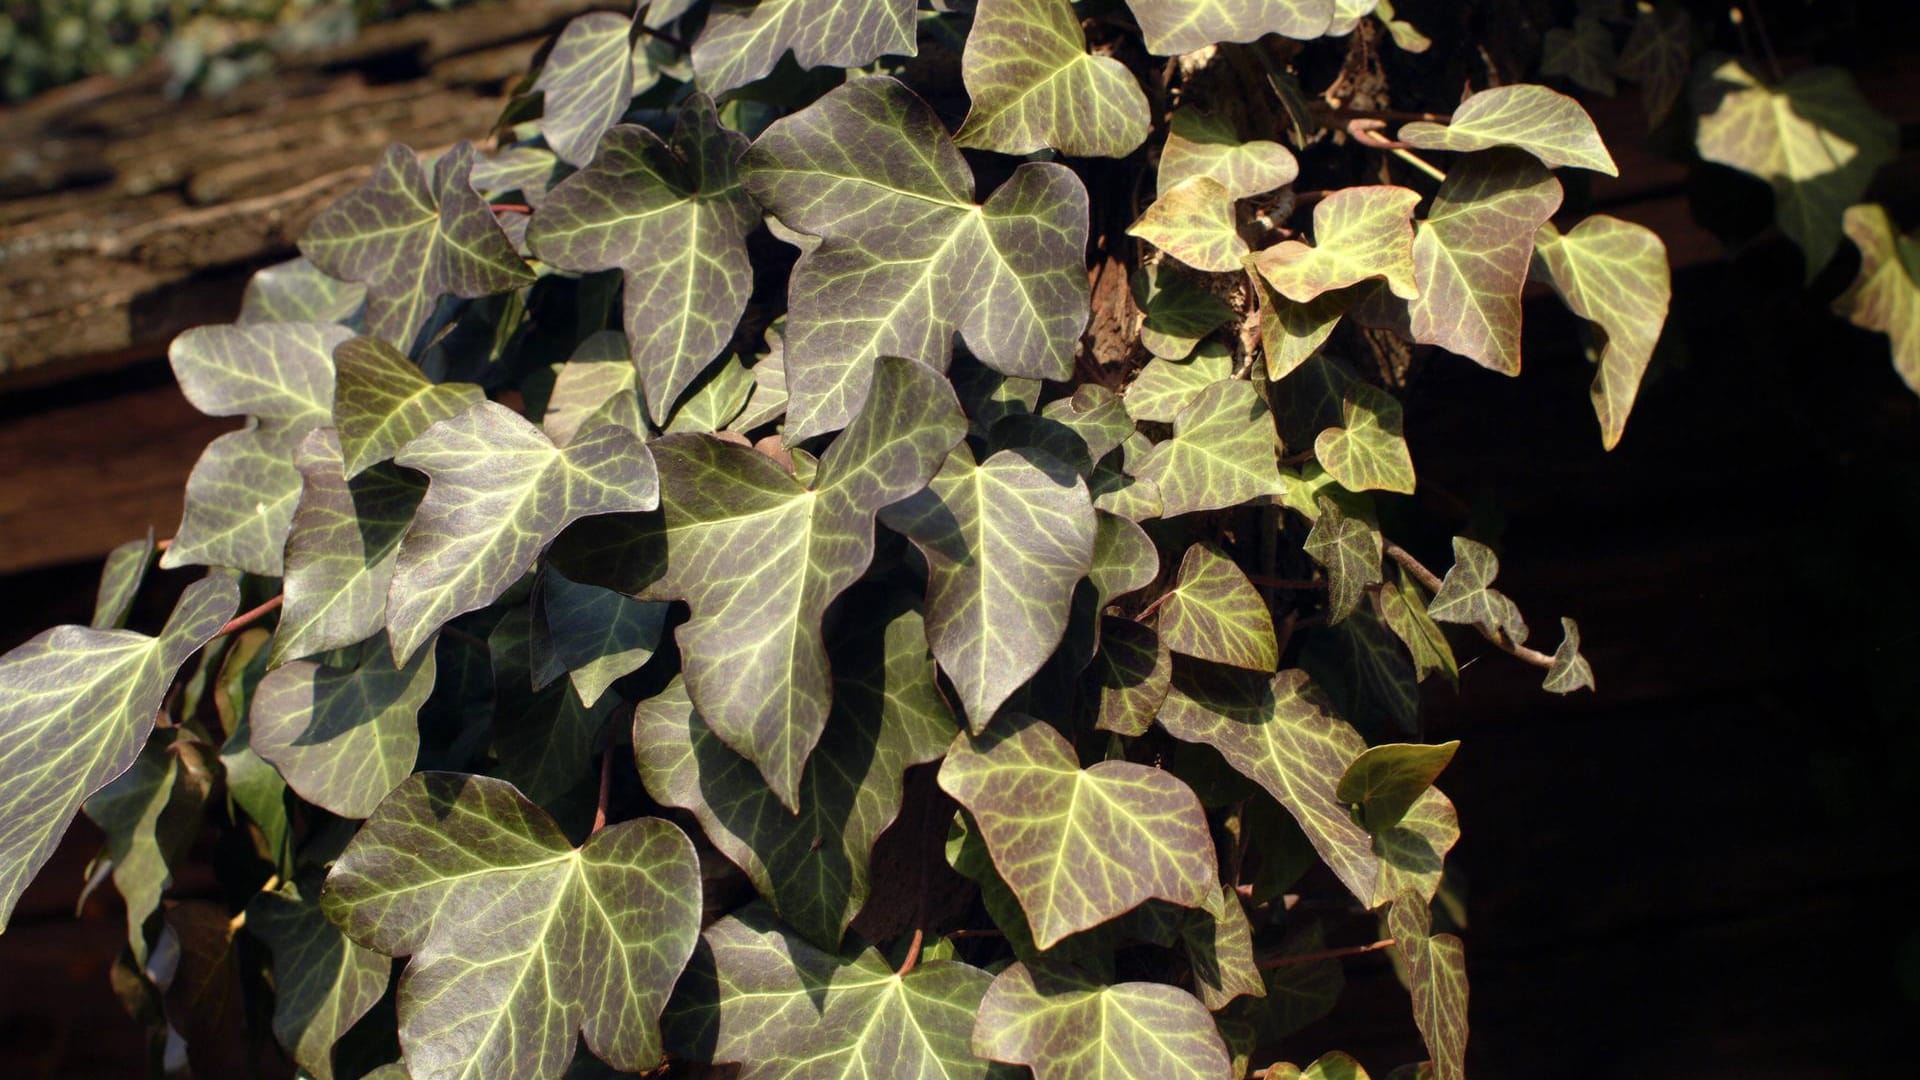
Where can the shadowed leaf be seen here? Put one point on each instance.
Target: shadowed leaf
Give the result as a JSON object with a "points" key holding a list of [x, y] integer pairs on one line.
{"points": [[1368, 453], [1658, 55], [323, 983], [1349, 546], [1130, 674], [150, 815], [382, 402], [343, 736], [1437, 978], [594, 635], [1582, 53], [1177, 313], [1385, 781]]}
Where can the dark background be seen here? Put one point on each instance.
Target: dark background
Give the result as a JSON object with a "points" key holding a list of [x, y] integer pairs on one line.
{"points": [[1703, 870]]}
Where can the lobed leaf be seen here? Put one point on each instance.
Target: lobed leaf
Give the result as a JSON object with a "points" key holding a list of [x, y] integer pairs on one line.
{"points": [[1173, 27], [1885, 294], [1467, 595], [1194, 222], [1614, 274], [1570, 670], [1034, 86], [1205, 144], [1214, 613], [1437, 979], [382, 402], [1349, 546], [593, 635], [585, 84], [1658, 55], [1368, 452], [323, 983], [1582, 53], [343, 737], [743, 39], [1221, 453], [1165, 387], [1359, 233], [1063, 1025], [1130, 675], [1177, 312]]}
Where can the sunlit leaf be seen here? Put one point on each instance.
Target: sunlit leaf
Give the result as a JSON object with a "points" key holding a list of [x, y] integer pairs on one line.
{"points": [[1063, 1025], [906, 257], [323, 983], [1359, 233], [1290, 333], [1165, 387], [1437, 978], [343, 736], [519, 940], [1545, 123], [1181, 26], [1034, 86], [1614, 274], [296, 291], [1005, 541], [673, 219], [1470, 256], [1349, 547], [150, 815], [1221, 453], [382, 402], [1220, 950], [76, 705], [1079, 846], [1116, 487], [1885, 296], [126, 567], [1467, 595], [1404, 610], [1194, 222], [1385, 781], [1368, 452], [1570, 670], [1094, 413], [1205, 144], [743, 39], [585, 84], [1216, 614]]}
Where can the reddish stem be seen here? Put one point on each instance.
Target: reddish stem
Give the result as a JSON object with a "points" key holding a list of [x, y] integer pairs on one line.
{"points": [[606, 788], [913, 952], [1323, 954], [510, 208], [248, 618]]}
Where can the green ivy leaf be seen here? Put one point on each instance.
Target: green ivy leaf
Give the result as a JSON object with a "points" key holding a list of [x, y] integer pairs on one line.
{"points": [[1064, 1026], [1005, 541], [1545, 123], [1130, 675], [1470, 256], [1290, 333], [1582, 53], [1177, 312], [1116, 487], [1221, 453], [411, 241], [813, 867], [1614, 274], [1332, 1065], [120, 580], [1658, 55], [743, 39], [323, 983], [1814, 138], [1034, 86], [1173, 27], [341, 549], [906, 257], [498, 492], [592, 634], [77, 705], [1404, 610], [1385, 781], [1165, 387], [544, 740], [1216, 614], [673, 219], [1570, 670], [382, 402], [1349, 546], [1404, 34], [1079, 846], [714, 399], [241, 493], [1297, 993], [781, 1008], [296, 291], [758, 556], [344, 737], [1205, 144], [1467, 596], [519, 940], [1219, 949], [1437, 978], [1094, 413], [1368, 453], [595, 387], [1193, 222], [150, 815], [1366, 670], [1885, 296], [585, 84], [1359, 233]]}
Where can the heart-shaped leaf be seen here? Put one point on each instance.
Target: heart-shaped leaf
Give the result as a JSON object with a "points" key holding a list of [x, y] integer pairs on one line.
{"points": [[1216, 614], [1385, 781], [1367, 453], [743, 39], [344, 737], [323, 983], [1885, 296], [1178, 313], [592, 634], [1614, 274], [585, 84], [1063, 1025], [1349, 546], [1658, 55], [1221, 453], [382, 402], [1545, 123], [1437, 979], [1194, 222], [1173, 27], [1130, 675], [1359, 233], [1205, 144], [1467, 595], [1034, 86], [1165, 387]]}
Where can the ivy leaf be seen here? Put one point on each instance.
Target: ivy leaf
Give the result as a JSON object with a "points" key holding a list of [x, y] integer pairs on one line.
{"points": [[1193, 222], [595, 635], [1290, 333], [1545, 123], [1369, 453], [1366, 670], [1173, 27], [714, 399], [758, 557], [1885, 296], [1614, 274], [1570, 670], [674, 220], [596, 386], [120, 579], [781, 1008], [585, 84], [519, 940], [1221, 453], [1437, 978], [1814, 138], [411, 241], [1349, 547], [1404, 610], [1216, 614], [813, 867], [76, 705], [906, 257], [1470, 256], [296, 291], [241, 493], [1034, 86], [1385, 781], [1220, 950], [1467, 596], [382, 402], [1332, 1065], [1582, 53], [1063, 1025], [341, 550], [1165, 387], [499, 491], [323, 983], [1116, 487], [150, 815], [1095, 414], [1005, 541], [544, 740], [343, 736], [1079, 846], [1205, 144], [1178, 313], [743, 39], [1130, 674], [1359, 233], [1658, 55], [1297, 993]]}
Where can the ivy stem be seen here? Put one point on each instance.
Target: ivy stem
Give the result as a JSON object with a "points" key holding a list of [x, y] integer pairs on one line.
{"points": [[162, 545], [1344, 113], [1432, 581], [1268, 962], [1418, 162], [1153, 607], [913, 951], [510, 208], [248, 618], [606, 787]]}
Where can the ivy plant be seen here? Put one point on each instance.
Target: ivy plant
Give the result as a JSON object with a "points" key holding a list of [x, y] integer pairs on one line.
{"points": [[843, 539]]}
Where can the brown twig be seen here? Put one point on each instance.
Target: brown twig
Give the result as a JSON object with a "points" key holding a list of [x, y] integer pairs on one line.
{"points": [[248, 618], [510, 208], [913, 951], [1288, 960], [1153, 607], [606, 788], [1432, 581]]}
